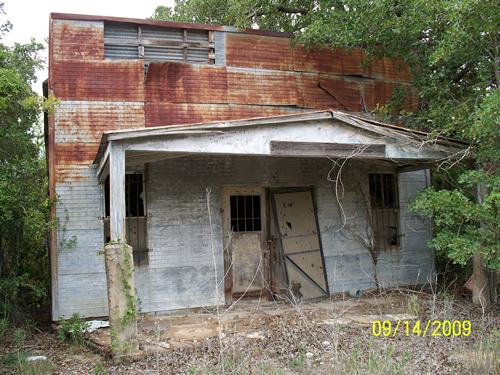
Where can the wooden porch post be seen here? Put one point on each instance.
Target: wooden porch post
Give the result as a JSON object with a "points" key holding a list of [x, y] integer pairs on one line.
{"points": [[120, 264]]}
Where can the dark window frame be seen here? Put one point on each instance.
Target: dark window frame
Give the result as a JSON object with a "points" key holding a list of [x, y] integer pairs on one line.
{"points": [[135, 210], [385, 211], [245, 213]]}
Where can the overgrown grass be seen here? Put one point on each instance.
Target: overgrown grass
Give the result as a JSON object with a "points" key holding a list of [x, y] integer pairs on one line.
{"points": [[73, 330], [16, 363], [376, 358]]}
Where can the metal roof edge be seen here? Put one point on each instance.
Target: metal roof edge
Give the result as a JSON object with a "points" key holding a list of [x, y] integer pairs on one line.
{"points": [[391, 131], [172, 24]]}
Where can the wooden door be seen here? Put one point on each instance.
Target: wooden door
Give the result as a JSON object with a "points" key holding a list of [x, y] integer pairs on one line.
{"points": [[300, 244], [244, 242]]}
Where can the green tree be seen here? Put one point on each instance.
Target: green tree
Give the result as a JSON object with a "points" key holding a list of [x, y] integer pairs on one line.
{"points": [[452, 49], [23, 185]]}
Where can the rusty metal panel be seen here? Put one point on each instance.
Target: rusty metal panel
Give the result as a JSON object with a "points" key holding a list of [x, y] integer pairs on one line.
{"points": [[77, 40], [255, 51], [78, 129], [310, 94], [276, 53], [163, 113], [276, 88], [347, 93], [186, 83], [99, 80], [75, 153], [389, 69], [318, 59], [378, 93]]}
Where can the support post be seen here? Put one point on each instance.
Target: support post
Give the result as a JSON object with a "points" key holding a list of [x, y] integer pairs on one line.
{"points": [[120, 265]]}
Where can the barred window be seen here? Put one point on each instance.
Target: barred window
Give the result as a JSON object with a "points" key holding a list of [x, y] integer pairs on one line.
{"points": [[245, 213], [384, 202]]}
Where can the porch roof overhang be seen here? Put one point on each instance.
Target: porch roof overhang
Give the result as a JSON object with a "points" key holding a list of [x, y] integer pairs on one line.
{"points": [[329, 133]]}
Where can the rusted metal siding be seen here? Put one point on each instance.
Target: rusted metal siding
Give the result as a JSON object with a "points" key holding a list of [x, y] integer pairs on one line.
{"points": [[265, 52], [79, 127], [186, 83], [76, 40], [262, 88], [164, 113], [99, 80], [258, 52]]}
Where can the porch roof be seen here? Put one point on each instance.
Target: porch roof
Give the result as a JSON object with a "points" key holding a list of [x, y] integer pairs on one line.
{"points": [[307, 134]]}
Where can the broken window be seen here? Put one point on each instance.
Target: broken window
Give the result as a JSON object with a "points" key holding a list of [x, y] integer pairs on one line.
{"points": [[136, 224], [384, 204], [245, 213]]}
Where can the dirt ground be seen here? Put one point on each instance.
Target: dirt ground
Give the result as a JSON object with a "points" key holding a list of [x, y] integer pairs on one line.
{"points": [[328, 337]]}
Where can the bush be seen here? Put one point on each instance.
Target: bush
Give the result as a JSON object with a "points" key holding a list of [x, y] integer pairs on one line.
{"points": [[73, 330]]}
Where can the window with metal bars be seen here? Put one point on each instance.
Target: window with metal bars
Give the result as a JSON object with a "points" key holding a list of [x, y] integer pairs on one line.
{"points": [[136, 221], [245, 213], [384, 205]]}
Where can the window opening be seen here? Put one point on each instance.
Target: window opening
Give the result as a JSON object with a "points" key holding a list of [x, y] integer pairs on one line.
{"points": [[135, 221], [384, 204], [245, 213]]}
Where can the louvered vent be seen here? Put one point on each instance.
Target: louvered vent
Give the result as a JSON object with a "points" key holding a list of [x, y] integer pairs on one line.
{"points": [[151, 43]]}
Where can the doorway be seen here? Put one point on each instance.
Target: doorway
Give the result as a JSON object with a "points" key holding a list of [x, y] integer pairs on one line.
{"points": [[245, 243]]}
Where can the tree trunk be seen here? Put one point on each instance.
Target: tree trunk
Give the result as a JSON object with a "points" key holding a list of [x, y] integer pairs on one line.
{"points": [[480, 285]]}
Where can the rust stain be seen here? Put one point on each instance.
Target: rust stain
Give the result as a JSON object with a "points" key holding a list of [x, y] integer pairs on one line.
{"points": [[186, 83], [277, 88], [318, 60], [266, 52], [259, 52], [380, 93], [99, 80], [76, 42], [347, 93], [310, 94], [158, 114], [75, 153]]}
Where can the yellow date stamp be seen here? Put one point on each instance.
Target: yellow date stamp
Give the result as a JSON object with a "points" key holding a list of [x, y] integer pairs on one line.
{"points": [[433, 328]]}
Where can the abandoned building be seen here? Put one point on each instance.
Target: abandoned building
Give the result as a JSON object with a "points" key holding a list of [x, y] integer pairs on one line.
{"points": [[235, 163]]}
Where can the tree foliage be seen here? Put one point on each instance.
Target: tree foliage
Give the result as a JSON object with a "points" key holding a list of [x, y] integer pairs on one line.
{"points": [[452, 48], [23, 185]]}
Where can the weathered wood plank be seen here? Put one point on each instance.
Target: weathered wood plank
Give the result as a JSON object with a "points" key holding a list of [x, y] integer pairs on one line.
{"points": [[157, 42], [284, 148], [117, 192]]}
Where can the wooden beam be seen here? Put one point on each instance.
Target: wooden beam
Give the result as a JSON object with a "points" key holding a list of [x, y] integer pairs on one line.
{"points": [[103, 166], [117, 192], [358, 150], [156, 42]]}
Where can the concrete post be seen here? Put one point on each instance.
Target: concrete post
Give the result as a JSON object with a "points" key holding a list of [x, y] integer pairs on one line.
{"points": [[121, 299]]}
